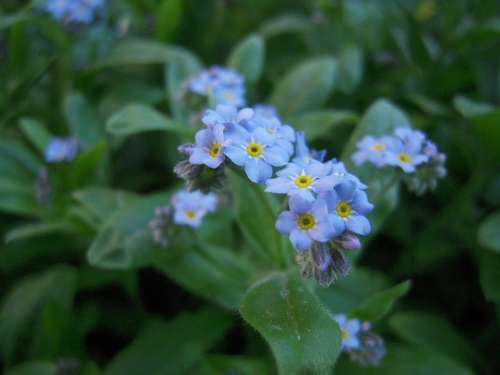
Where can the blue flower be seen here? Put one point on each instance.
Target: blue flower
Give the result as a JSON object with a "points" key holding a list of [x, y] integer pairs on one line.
{"points": [[349, 331], [298, 180], [265, 111], [223, 86], [305, 222], [303, 155], [229, 95], [282, 135], [78, 11], [226, 116], [209, 146], [61, 149], [338, 174], [374, 150], [191, 207], [347, 205], [406, 156], [255, 151]]}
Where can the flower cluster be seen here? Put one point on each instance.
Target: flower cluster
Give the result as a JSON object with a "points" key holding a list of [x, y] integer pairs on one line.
{"points": [[358, 340], [73, 11], [221, 85], [61, 149], [187, 209], [327, 204], [250, 140], [409, 150]]}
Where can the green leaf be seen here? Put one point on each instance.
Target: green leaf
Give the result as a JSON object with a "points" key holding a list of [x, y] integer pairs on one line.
{"points": [[33, 368], [169, 18], [136, 52], [23, 304], [124, 240], [36, 133], [248, 57], [284, 24], [470, 108], [102, 202], [225, 364], [138, 118], [81, 118], [212, 272], [12, 19], [489, 232], [403, 360], [172, 347], [37, 229], [379, 304], [350, 70], [300, 331], [249, 201], [381, 118], [489, 277], [180, 68], [435, 334], [319, 123], [305, 86]]}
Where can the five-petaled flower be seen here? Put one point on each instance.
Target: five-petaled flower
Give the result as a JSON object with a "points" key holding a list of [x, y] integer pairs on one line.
{"points": [[209, 146], [191, 207], [347, 205], [349, 330], [305, 222]]}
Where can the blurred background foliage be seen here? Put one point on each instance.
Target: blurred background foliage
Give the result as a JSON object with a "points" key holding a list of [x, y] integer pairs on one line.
{"points": [[83, 288]]}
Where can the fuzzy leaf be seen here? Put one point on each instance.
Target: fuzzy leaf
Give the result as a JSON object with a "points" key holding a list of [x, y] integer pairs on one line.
{"points": [[247, 58]]}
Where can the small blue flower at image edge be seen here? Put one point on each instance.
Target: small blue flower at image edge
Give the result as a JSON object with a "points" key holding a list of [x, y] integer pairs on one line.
{"points": [[76, 11], [191, 207]]}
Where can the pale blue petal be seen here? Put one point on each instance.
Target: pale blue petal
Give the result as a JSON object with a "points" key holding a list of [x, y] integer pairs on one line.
{"points": [[285, 222], [300, 239], [237, 155], [358, 224], [299, 205], [276, 156]]}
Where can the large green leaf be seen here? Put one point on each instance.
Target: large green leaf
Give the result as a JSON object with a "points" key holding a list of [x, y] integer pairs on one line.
{"points": [[38, 229], [215, 273], [489, 232], [81, 118], [37, 134], [403, 360], [250, 202], [172, 347], [489, 264], [319, 123], [380, 303], [180, 68], [433, 333], [23, 304], [137, 52], [381, 118], [305, 86], [225, 364], [350, 72], [288, 23], [300, 331], [138, 118], [33, 368], [248, 57], [124, 240]]}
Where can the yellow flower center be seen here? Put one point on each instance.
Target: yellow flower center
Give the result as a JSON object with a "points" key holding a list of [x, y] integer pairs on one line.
{"points": [[378, 147], [343, 209], [190, 214], [303, 182], [214, 150], [254, 150], [306, 221], [404, 158], [344, 334]]}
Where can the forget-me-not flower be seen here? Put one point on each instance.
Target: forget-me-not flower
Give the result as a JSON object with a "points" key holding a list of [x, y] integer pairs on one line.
{"points": [[77, 11], [209, 145], [305, 222], [297, 180], [347, 205], [255, 151], [349, 330], [61, 149], [227, 116], [373, 149], [191, 207]]}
